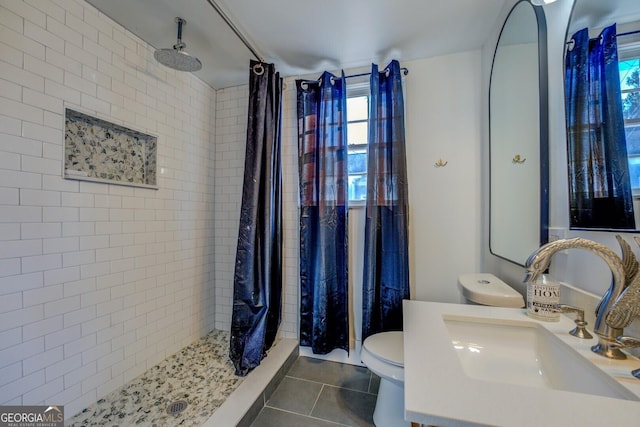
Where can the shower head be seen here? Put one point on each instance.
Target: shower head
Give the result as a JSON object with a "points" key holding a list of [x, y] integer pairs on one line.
{"points": [[177, 58]]}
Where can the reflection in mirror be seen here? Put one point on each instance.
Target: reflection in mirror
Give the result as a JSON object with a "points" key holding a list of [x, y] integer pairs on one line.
{"points": [[603, 143], [518, 136]]}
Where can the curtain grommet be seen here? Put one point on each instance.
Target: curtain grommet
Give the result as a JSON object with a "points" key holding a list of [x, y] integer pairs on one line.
{"points": [[258, 69]]}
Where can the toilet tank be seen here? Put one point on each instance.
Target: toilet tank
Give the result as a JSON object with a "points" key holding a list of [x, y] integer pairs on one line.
{"points": [[487, 289]]}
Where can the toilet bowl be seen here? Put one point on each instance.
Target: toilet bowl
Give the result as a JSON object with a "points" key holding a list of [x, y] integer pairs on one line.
{"points": [[382, 353]]}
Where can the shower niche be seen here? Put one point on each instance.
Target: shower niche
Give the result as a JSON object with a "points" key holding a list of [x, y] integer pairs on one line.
{"points": [[100, 151]]}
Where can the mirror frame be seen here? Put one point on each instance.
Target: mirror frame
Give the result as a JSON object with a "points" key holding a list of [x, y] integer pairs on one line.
{"points": [[543, 100]]}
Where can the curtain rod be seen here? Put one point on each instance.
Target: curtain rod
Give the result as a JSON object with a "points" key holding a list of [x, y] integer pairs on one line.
{"points": [[404, 70], [235, 29], [628, 33]]}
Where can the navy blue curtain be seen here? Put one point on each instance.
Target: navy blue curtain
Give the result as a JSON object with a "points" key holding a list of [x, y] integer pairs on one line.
{"points": [[386, 257], [322, 163], [599, 184], [257, 293]]}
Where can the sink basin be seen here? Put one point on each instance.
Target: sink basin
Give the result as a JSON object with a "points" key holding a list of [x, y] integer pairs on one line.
{"points": [[526, 354], [469, 365]]}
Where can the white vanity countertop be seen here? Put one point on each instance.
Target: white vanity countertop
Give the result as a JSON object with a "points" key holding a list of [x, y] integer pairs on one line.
{"points": [[438, 392]]}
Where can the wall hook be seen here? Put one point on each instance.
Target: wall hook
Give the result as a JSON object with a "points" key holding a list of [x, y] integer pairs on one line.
{"points": [[518, 159], [440, 163]]}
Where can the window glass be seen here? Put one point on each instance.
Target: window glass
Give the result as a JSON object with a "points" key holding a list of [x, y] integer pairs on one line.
{"points": [[357, 162], [357, 134], [358, 108], [630, 85], [357, 187]]}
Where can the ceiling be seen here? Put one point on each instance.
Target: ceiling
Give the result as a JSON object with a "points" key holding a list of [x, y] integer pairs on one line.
{"points": [[302, 37], [598, 13]]}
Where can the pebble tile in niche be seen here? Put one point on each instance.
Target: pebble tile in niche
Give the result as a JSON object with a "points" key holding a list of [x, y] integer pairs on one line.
{"points": [[99, 150], [200, 374]]}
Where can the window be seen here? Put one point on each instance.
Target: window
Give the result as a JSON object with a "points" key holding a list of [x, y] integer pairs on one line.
{"points": [[358, 136], [630, 85]]}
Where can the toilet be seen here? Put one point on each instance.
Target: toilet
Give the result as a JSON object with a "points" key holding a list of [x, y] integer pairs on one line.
{"points": [[382, 353], [487, 289]]}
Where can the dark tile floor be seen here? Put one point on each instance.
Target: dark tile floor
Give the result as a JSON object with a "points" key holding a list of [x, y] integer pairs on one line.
{"points": [[320, 393]]}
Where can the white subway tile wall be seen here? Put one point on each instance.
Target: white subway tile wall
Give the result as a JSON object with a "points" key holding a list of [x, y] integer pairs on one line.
{"points": [[100, 282], [290, 217], [231, 125]]}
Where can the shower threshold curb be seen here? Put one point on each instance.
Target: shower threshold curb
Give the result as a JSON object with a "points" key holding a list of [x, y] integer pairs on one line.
{"points": [[244, 404]]}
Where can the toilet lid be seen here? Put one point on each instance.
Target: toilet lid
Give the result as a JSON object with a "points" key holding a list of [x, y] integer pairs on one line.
{"points": [[386, 346], [487, 289]]}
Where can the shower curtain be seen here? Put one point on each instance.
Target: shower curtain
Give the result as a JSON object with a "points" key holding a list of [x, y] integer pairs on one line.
{"points": [[600, 187], [322, 163], [257, 293], [386, 257]]}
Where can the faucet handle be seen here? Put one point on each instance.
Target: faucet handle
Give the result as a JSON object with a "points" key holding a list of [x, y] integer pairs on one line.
{"points": [[627, 342], [624, 341], [580, 330]]}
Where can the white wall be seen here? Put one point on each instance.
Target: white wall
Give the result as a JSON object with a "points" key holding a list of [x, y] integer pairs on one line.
{"points": [[443, 97], [98, 282]]}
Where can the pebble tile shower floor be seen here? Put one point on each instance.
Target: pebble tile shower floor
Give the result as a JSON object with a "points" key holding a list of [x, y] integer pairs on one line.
{"points": [[200, 374]]}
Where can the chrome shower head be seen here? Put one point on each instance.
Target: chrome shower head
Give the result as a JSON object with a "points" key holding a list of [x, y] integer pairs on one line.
{"points": [[177, 58]]}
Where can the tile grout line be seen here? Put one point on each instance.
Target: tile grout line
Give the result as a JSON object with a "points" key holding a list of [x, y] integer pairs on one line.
{"points": [[324, 387], [367, 391], [351, 389], [307, 416], [317, 398]]}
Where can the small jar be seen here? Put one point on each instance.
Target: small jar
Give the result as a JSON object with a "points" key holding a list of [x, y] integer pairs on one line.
{"points": [[543, 297]]}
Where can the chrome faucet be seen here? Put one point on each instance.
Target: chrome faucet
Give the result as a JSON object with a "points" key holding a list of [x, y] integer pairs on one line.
{"points": [[627, 307], [538, 263]]}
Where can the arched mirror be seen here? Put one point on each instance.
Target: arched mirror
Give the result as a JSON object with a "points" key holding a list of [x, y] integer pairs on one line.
{"points": [[518, 120], [603, 143]]}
